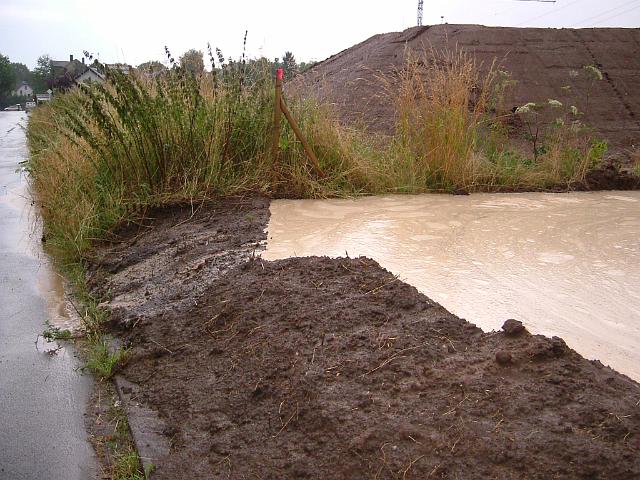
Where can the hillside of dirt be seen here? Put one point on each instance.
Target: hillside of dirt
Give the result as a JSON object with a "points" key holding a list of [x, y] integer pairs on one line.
{"points": [[541, 60], [333, 368]]}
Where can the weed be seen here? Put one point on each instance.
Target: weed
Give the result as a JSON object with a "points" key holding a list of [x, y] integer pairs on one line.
{"points": [[52, 333], [635, 162], [127, 466], [125, 463], [149, 469], [102, 361], [442, 104]]}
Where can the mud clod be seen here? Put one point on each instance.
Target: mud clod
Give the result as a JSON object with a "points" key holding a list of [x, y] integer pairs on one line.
{"points": [[513, 327], [504, 358]]}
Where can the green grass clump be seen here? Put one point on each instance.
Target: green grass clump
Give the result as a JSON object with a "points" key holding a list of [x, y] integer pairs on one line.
{"points": [[123, 459], [102, 361], [127, 466]]}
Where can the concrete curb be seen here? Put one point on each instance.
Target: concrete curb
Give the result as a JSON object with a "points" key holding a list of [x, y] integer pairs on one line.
{"points": [[146, 426]]}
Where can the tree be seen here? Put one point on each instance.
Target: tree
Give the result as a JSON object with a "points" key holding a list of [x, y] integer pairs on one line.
{"points": [[304, 66], [193, 61], [7, 79], [290, 65], [42, 76], [152, 66], [22, 72]]}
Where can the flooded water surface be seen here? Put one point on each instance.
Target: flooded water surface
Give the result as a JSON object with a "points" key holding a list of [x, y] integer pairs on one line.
{"points": [[564, 264]]}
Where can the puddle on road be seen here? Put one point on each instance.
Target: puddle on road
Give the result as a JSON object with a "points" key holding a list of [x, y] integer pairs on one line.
{"points": [[564, 264], [27, 241]]}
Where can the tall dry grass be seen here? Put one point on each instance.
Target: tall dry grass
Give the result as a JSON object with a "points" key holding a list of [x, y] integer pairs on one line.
{"points": [[105, 152], [441, 101], [452, 132]]}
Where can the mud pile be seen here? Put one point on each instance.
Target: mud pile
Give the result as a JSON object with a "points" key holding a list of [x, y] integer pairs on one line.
{"points": [[541, 60], [333, 368]]}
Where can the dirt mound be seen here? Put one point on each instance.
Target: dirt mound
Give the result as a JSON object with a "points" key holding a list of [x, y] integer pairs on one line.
{"points": [[333, 368], [167, 262], [541, 60]]}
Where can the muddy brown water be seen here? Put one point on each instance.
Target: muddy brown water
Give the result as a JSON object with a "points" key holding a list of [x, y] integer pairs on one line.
{"points": [[564, 264]]}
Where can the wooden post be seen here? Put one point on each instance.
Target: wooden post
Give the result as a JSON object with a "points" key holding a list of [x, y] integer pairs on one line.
{"points": [[275, 147], [298, 132], [279, 108]]}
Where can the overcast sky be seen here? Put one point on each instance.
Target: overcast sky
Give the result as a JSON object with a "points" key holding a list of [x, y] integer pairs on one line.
{"points": [[134, 31]]}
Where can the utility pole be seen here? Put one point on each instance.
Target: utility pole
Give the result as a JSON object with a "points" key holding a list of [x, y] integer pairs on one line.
{"points": [[420, 11]]}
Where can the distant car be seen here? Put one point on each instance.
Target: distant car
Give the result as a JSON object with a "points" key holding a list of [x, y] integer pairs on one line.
{"points": [[30, 105], [13, 108]]}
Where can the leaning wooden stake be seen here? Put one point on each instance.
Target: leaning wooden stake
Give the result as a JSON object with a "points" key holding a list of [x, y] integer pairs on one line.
{"points": [[298, 132], [281, 107]]}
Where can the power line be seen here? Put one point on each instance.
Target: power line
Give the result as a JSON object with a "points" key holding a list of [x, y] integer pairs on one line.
{"points": [[555, 10], [595, 17], [617, 14]]}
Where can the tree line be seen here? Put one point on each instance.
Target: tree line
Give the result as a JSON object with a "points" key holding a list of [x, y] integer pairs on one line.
{"points": [[12, 74], [193, 61], [42, 77]]}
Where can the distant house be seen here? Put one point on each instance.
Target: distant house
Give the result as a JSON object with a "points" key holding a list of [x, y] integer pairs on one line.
{"points": [[68, 73], [122, 67], [89, 75], [65, 71], [23, 90]]}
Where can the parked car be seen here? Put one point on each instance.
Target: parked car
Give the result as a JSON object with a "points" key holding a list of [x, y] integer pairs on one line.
{"points": [[13, 108]]}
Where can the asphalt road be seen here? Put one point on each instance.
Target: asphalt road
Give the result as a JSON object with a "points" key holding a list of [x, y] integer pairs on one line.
{"points": [[42, 395]]}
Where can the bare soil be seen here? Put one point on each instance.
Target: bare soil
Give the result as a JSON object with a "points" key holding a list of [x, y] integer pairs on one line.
{"points": [[542, 61], [333, 368]]}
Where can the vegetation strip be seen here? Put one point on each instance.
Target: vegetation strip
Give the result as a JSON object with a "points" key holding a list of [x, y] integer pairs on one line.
{"points": [[104, 153]]}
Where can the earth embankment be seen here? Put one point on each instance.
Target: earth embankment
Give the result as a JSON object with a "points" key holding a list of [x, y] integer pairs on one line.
{"points": [[543, 61]]}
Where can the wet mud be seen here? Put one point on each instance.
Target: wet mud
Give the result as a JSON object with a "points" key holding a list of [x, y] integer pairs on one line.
{"points": [[166, 262], [334, 368], [564, 264]]}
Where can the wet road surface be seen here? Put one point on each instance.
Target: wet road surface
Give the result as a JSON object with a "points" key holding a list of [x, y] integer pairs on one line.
{"points": [[42, 394], [564, 264]]}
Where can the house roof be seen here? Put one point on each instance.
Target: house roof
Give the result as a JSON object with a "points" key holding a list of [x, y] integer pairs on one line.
{"points": [[92, 70], [71, 67]]}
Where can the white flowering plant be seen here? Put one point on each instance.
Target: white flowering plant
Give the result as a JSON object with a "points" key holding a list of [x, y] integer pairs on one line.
{"points": [[556, 124]]}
